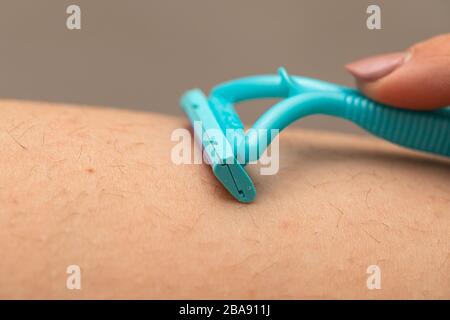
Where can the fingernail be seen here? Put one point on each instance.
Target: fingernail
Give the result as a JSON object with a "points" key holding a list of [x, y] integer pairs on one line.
{"points": [[377, 67]]}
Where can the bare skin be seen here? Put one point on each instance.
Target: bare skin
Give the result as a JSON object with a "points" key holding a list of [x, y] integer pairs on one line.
{"points": [[96, 188]]}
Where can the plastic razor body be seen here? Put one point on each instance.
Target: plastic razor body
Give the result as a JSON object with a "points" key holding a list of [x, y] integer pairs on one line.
{"points": [[418, 130], [217, 151]]}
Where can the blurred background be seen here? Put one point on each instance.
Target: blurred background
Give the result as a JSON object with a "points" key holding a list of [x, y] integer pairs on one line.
{"points": [[142, 54]]}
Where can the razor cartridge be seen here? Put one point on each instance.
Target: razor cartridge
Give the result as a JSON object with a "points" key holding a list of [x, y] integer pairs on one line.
{"points": [[216, 147]]}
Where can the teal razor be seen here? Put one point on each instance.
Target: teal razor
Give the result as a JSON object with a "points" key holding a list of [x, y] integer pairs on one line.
{"points": [[228, 147]]}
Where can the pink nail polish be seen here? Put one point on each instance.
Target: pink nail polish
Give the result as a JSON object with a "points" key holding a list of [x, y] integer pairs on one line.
{"points": [[376, 67]]}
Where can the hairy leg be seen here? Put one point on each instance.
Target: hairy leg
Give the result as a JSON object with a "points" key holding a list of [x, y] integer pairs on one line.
{"points": [[97, 188]]}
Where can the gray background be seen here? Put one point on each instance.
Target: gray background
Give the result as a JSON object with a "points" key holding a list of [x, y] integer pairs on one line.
{"points": [[143, 54]]}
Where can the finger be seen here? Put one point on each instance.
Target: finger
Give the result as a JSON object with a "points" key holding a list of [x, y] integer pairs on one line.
{"points": [[418, 78]]}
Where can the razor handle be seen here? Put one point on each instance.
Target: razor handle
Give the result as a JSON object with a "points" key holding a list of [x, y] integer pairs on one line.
{"points": [[427, 131]]}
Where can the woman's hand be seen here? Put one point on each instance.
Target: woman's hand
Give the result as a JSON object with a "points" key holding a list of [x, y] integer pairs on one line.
{"points": [[418, 78]]}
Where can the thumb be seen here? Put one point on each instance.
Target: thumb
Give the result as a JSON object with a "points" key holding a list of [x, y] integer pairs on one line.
{"points": [[418, 78]]}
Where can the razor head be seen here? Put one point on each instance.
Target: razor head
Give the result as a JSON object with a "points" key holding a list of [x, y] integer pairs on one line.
{"points": [[218, 152], [236, 180]]}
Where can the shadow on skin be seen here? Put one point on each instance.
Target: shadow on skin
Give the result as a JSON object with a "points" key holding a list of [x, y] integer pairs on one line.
{"points": [[340, 157], [298, 155], [377, 155]]}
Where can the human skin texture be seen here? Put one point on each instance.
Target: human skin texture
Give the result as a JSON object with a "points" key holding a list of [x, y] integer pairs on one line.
{"points": [[96, 187]]}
